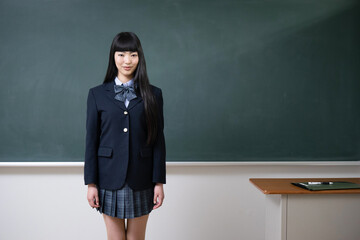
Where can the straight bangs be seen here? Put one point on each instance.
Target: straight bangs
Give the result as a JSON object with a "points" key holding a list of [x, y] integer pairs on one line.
{"points": [[126, 43]]}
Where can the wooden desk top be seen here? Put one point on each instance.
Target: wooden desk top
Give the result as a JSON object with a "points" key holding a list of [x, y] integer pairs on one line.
{"points": [[284, 186]]}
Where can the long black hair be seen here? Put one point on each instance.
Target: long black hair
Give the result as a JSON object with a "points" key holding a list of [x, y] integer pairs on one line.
{"points": [[128, 41]]}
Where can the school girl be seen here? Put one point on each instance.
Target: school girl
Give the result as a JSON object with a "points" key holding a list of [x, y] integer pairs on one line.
{"points": [[125, 146]]}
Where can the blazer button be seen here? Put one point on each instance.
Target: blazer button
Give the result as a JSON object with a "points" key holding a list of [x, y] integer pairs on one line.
{"points": [[125, 112], [125, 129]]}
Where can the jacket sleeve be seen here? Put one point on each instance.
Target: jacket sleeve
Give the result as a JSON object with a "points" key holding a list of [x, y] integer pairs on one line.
{"points": [[159, 166], [92, 141]]}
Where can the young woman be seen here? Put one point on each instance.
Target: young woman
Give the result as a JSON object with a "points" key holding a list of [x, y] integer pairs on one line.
{"points": [[125, 146]]}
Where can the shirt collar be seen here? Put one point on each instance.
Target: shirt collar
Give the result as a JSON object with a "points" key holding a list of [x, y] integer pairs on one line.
{"points": [[127, 84]]}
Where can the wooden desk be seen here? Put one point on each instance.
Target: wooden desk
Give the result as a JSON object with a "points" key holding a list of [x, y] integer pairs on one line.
{"points": [[293, 213]]}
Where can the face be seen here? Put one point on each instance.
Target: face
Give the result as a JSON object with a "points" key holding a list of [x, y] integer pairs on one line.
{"points": [[126, 63]]}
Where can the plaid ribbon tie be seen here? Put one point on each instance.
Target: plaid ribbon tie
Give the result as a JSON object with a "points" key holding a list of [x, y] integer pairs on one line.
{"points": [[124, 92]]}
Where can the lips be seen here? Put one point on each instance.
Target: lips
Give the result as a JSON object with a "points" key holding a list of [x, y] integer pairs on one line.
{"points": [[127, 68]]}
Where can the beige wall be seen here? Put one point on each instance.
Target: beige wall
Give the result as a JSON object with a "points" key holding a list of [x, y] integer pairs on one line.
{"points": [[201, 201]]}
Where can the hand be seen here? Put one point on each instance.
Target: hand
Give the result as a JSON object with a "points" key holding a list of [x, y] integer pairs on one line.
{"points": [[158, 195], [92, 196]]}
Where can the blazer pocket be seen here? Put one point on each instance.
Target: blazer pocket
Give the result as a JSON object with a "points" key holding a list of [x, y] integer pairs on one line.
{"points": [[146, 152], [105, 152]]}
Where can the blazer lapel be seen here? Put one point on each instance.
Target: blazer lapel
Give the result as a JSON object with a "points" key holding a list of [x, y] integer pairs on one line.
{"points": [[109, 89], [133, 102]]}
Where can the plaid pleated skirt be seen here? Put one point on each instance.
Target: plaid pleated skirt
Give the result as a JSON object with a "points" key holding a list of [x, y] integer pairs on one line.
{"points": [[125, 202]]}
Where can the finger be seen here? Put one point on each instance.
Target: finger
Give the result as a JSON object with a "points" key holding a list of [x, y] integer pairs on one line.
{"points": [[94, 203], [97, 200], [156, 206], [155, 198], [155, 201], [159, 203], [91, 203]]}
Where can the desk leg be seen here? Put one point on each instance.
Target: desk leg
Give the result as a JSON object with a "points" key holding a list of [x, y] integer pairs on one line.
{"points": [[276, 214]]}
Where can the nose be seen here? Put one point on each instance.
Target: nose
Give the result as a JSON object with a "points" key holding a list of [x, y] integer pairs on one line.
{"points": [[127, 59]]}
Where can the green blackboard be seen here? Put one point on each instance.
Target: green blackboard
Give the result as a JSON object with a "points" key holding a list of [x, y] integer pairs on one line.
{"points": [[274, 80]]}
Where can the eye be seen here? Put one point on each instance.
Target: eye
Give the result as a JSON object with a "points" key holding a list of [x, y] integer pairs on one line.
{"points": [[134, 55], [120, 55]]}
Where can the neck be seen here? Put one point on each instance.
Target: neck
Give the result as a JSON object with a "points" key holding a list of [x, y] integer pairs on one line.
{"points": [[124, 79]]}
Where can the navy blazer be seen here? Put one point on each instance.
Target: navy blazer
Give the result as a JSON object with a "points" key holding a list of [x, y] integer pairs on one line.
{"points": [[116, 150]]}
